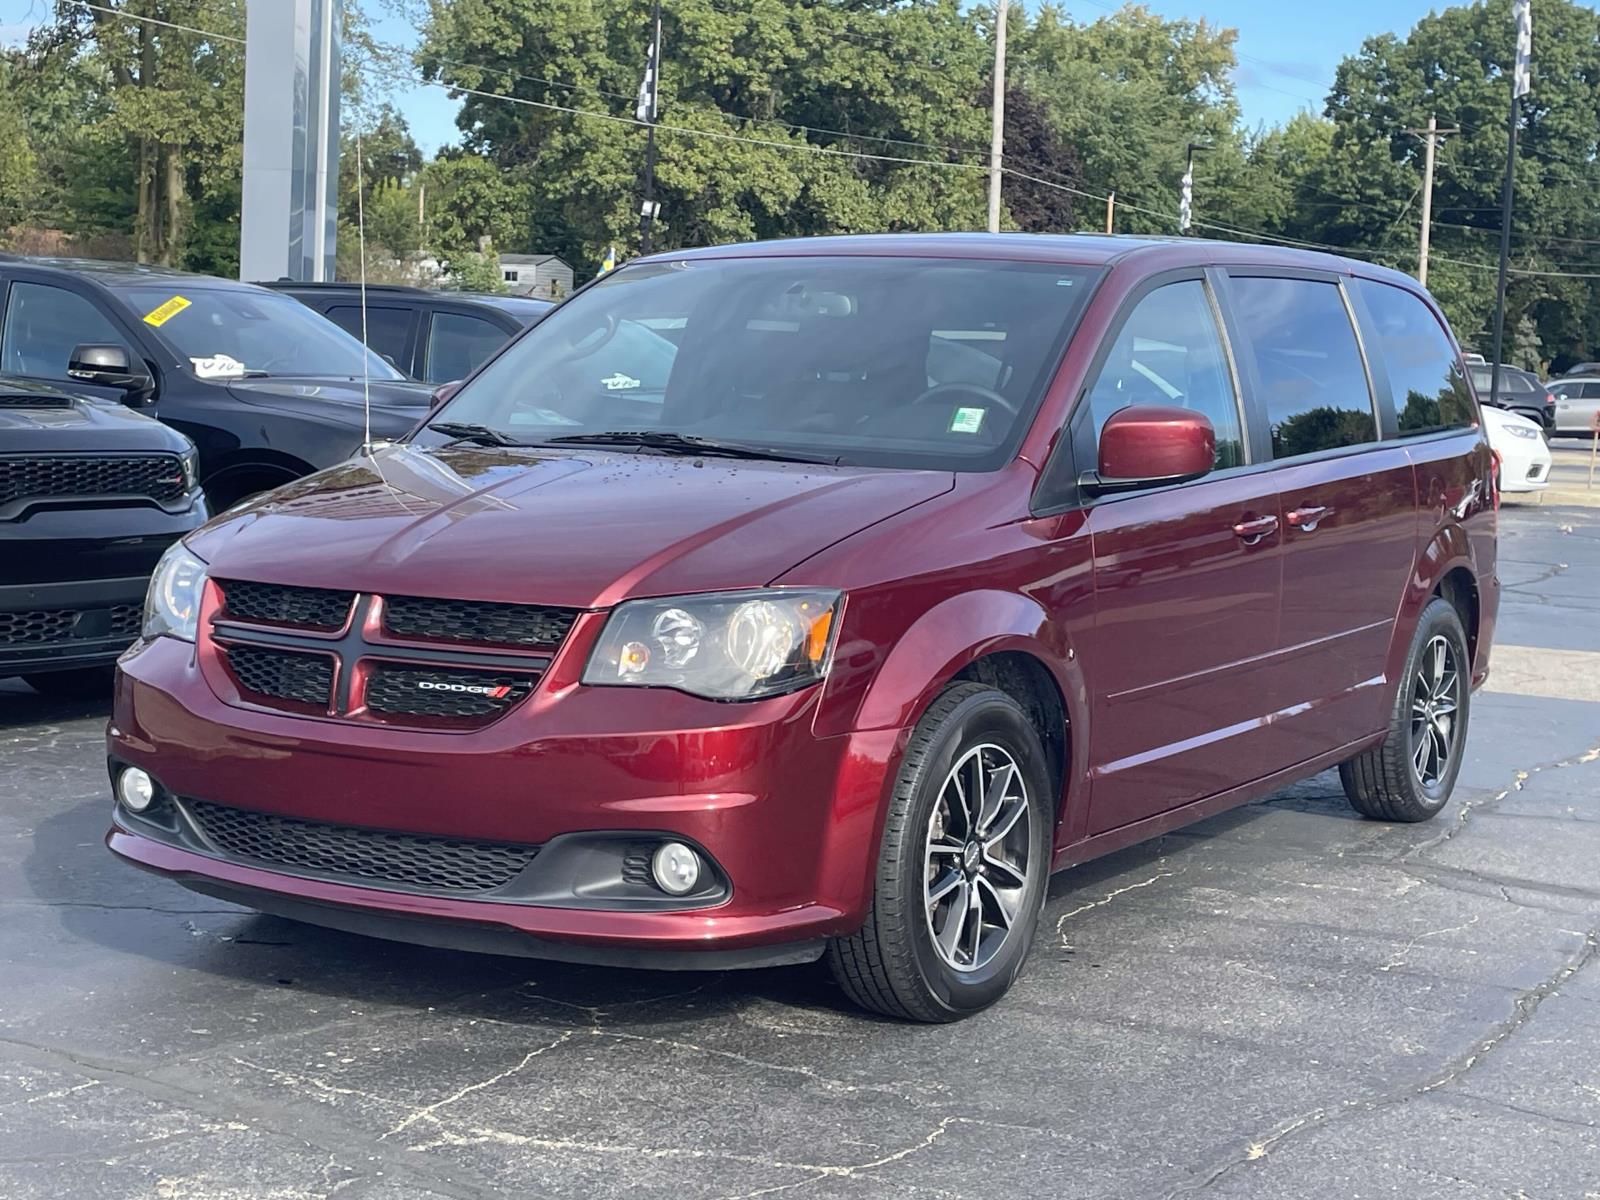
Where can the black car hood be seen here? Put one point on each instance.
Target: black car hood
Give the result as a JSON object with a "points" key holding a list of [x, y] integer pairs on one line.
{"points": [[294, 391], [38, 419]]}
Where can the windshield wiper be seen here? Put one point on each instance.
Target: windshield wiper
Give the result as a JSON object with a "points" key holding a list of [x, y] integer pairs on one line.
{"points": [[483, 435], [681, 443]]}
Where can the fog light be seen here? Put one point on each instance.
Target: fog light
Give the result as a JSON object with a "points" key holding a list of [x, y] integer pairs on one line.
{"points": [[676, 868], [135, 789]]}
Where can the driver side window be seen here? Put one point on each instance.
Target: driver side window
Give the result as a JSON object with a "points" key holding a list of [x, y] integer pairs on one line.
{"points": [[42, 325], [1170, 353]]}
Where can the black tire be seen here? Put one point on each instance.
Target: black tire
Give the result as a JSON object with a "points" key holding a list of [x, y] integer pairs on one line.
{"points": [[890, 965], [1385, 783], [82, 683]]}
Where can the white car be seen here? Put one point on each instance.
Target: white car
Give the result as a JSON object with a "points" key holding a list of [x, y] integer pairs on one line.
{"points": [[1520, 451]]}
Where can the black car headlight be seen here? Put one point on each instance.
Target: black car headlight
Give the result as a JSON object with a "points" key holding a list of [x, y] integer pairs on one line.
{"points": [[722, 646], [172, 605]]}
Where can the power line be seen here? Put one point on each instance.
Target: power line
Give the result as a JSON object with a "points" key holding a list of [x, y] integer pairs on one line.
{"points": [[205, 33]]}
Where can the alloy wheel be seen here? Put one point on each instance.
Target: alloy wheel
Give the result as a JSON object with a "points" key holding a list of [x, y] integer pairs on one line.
{"points": [[976, 858], [1435, 700]]}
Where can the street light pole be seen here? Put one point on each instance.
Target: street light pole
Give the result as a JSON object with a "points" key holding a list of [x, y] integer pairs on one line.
{"points": [[997, 129]]}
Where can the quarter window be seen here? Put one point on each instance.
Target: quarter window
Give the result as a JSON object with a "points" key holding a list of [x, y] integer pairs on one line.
{"points": [[1312, 381], [1169, 352], [457, 343], [42, 325], [1425, 379]]}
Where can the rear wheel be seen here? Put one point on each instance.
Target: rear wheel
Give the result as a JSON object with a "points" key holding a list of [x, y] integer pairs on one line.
{"points": [[963, 866], [1409, 775]]}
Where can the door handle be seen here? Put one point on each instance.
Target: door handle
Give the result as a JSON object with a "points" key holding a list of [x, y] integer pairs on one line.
{"points": [[1308, 517], [1254, 529]]}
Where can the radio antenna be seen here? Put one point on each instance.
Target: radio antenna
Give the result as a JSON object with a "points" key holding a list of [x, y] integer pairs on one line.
{"points": [[361, 245]]}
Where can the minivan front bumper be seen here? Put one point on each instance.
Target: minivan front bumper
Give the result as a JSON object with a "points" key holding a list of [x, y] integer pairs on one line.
{"points": [[786, 819]]}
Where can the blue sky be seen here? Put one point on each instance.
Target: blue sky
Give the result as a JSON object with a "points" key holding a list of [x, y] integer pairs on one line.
{"points": [[1286, 55]]}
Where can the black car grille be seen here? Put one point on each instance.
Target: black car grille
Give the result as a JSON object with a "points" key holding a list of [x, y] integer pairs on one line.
{"points": [[33, 400], [412, 860], [157, 476], [401, 689], [31, 628], [315, 608], [477, 621], [126, 620], [282, 674]]}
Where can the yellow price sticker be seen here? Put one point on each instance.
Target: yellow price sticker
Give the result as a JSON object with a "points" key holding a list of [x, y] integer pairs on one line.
{"points": [[163, 313]]}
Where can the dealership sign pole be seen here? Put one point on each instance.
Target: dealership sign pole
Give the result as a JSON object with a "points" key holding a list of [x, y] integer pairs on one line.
{"points": [[1519, 87]]}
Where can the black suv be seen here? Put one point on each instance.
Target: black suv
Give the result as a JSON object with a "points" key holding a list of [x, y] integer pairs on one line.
{"points": [[268, 390], [437, 337], [91, 495], [1521, 392]]}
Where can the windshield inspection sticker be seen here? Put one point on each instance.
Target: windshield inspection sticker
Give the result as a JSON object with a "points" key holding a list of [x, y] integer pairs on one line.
{"points": [[619, 382], [218, 366], [163, 313], [967, 420]]}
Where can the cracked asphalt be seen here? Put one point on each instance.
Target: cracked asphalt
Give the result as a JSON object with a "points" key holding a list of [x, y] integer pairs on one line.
{"points": [[1285, 1001]]}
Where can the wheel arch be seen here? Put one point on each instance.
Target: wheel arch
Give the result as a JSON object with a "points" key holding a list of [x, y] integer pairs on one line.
{"points": [[1446, 567], [273, 467]]}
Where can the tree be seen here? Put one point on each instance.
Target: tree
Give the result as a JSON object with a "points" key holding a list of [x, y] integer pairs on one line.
{"points": [[1034, 148]]}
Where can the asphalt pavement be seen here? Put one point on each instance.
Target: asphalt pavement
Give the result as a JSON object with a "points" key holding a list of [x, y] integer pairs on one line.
{"points": [[1284, 1001]]}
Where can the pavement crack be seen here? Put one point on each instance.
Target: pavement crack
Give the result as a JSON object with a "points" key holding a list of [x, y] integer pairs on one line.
{"points": [[427, 1112], [1062, 920], [1525, 1004]]}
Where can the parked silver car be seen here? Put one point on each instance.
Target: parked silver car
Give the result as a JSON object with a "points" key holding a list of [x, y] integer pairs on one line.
{"points": [[1577, 403]]}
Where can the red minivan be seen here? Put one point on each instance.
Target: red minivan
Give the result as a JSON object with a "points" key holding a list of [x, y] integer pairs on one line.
{"points": [[820, 598]]}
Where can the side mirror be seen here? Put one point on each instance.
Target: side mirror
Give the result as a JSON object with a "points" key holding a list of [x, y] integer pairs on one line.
{"points": [[443, 392], [108, 366], [1149, 445]]}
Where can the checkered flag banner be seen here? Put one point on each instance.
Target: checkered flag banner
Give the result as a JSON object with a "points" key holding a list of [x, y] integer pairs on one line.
{"points": [[1522, 74], [1186, 201], [649, 87]]}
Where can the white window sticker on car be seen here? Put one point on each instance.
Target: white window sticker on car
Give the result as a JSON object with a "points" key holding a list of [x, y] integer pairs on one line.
{"points": [[967, 420], [218, 366], [619, 382]]}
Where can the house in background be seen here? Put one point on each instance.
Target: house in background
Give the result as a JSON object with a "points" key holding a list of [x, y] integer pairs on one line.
{"points": [[543, 276]]}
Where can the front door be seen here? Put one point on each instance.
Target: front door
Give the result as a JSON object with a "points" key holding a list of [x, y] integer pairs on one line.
{"points": [[1186, 582]]}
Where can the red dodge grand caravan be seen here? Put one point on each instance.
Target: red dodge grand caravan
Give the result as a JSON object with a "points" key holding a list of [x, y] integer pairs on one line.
{"points": [[821, 598]]}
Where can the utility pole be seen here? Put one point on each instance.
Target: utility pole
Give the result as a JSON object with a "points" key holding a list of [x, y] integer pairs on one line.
{"points": [[1111, 209], [1429, 136], [997, 136], [1521, 76]]}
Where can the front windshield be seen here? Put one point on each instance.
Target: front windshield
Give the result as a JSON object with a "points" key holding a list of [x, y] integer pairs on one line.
{"points": [[913, 362], [223, 333]]}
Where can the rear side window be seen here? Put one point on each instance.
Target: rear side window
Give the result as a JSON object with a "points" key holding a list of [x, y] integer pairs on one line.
{"points": [[388, 328], [1425, 379], [1511, 380], [1169, 352], [42, 325], [457, 343], [1308, 364]]}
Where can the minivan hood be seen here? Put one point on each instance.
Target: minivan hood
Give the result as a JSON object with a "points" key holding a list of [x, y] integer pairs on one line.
{"points": [[578, 528]]}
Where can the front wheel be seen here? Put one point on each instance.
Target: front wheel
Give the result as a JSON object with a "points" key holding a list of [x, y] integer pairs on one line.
{"points": [[1409, 775], [963, 866]]}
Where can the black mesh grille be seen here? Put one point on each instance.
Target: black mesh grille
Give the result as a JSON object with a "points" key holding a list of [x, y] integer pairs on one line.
{"points": [[33, 400], [316, 608], [442, 692], [478, 621], [282, 674], [158, 476], [126, 620], [26, 628], [415, 860]]}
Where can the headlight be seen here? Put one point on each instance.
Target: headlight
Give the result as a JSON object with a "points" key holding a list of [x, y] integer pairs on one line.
{"points": [[1521, 432], [191, 470], [172, 606], [723, 646]]}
